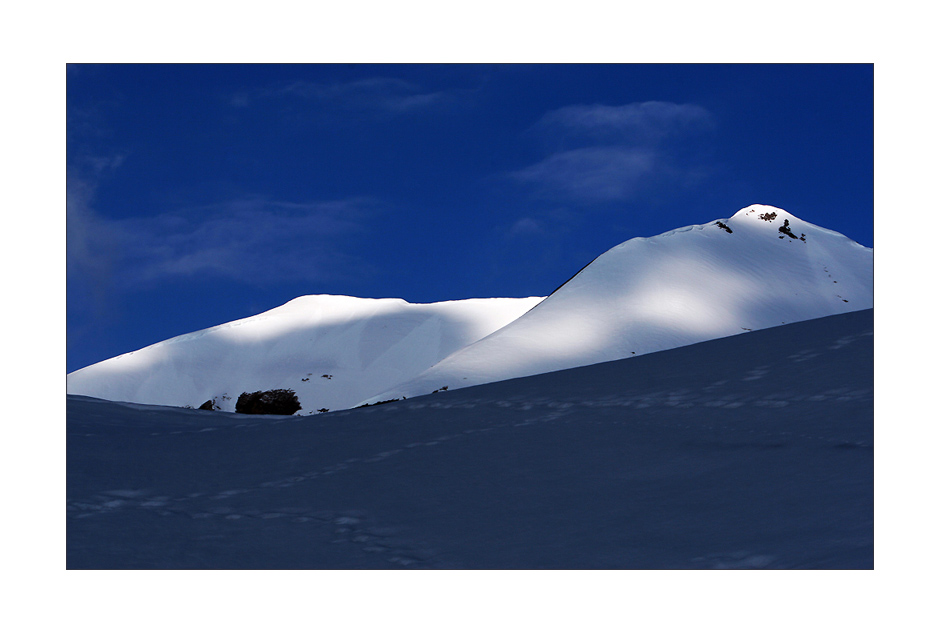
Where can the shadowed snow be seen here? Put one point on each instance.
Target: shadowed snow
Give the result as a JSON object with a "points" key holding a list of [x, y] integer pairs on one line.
{"points": [[753, 451]]}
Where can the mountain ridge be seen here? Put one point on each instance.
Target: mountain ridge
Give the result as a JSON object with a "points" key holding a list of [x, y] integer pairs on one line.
{"points": [[761, 267], [332, 350], [758, 268]]}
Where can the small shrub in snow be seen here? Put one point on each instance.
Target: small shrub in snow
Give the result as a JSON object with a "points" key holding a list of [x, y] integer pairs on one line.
{"points": [[273, 402]]}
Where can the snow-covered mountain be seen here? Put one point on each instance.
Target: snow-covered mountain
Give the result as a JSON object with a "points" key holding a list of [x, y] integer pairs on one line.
{"points": [[333, 351], [760, 268]]}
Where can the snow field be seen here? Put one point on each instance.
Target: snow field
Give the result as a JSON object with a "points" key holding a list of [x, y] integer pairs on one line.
{"points": [[732, 453]]}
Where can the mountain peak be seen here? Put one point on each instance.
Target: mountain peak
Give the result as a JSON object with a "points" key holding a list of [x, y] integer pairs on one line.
{"points": [[765, 213], [765, 218]]}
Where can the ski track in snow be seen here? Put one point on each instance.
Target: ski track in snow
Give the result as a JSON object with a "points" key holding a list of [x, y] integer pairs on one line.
{"points": [[357, 529]]}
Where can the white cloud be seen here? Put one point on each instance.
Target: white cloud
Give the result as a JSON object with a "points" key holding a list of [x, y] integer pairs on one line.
{"points": [[605, 153], [593, 174], [650, 122], [84, 258], [525, 226], [253, 240]]}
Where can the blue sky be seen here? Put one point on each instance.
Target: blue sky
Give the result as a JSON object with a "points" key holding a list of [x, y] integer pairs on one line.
{"points": [[202, 194]]}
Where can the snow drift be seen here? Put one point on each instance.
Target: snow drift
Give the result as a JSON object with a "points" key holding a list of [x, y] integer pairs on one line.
{"points": [[333, 351], [760, 268]]}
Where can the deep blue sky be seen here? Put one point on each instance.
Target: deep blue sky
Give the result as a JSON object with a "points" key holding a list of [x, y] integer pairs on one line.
{"points": [[202, 194]]}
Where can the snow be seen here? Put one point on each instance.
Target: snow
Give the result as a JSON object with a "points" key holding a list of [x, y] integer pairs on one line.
{"points": [[688, 285], [751, 451], [333, 351]]}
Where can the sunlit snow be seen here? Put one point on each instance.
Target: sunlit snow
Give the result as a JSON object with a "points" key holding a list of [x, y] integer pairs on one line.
{"points": [[333, 351], [762, 268]]}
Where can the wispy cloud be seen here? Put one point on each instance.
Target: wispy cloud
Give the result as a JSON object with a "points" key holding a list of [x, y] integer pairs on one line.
{"points": [[524, 227], [639, 124], [600, 153], [85, 260], [251, 240], [593, 174], [382, 95], [89, 267]]}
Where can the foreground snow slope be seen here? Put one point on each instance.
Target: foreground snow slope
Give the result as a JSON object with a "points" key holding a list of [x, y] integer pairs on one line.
{"points": [[749, 451], [362, 345], [760, 268]]}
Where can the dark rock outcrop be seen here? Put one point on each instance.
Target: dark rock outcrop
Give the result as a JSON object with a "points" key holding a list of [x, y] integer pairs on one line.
{"points": [[273, 402], [786, 229]]}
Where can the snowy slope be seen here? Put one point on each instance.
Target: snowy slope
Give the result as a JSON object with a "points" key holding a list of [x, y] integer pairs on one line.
{"points": [[760, 268], [752, 451], [362, 345]]}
